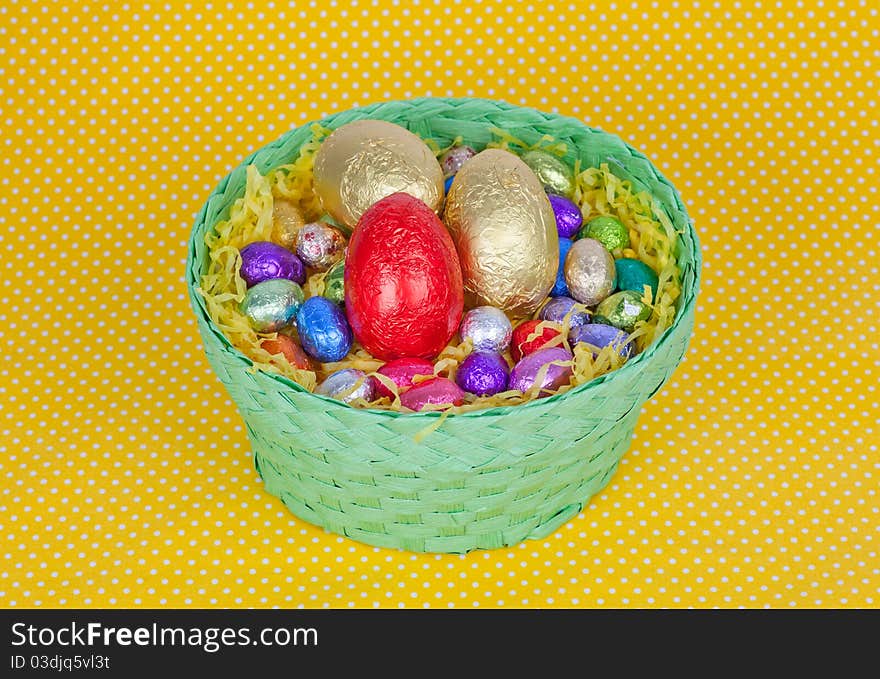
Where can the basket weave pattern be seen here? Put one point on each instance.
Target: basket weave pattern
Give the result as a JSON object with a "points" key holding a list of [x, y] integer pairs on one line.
{"points": [[484, 479]]}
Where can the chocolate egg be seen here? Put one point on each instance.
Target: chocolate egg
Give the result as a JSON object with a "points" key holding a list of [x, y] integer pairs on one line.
{"points": [[553, 173], [560, 287], [323, 330], [568, 215], [262, 260], [347, 385], [452, 160], [487, 328], [483, 373], [287, 220], [402, 371], [366, 160], [557, 308], [600, 336], [554, 364], [403, 287], [334, 283], [320, 245], [607, 230], [634, 274], [437, 392], [625, 309], [589, 271], [522, 345], [272, 305], [504, 230]]}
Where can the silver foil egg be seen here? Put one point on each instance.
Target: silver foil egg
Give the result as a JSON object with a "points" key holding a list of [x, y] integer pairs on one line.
{"points": [[488, 328]]}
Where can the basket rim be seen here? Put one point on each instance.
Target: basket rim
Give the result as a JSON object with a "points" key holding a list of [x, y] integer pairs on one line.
{"points": [[688, 297]]}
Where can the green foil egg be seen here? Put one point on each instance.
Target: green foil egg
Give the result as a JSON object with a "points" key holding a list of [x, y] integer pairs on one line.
{"points": [[624, 309], [607, 230], [272, 304], [634, 274], [334, 283], [554, 174]]}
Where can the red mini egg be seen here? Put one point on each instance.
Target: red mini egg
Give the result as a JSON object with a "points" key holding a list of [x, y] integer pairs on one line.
{"points": [[403, 286], [521, 346], [401, 371]]}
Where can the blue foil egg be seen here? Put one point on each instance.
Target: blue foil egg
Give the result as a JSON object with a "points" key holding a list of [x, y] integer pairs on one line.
{"points": [[323, 330], [447, 183], [560, 288]]}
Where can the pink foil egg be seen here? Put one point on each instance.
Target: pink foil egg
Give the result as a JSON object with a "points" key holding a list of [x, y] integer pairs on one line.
{"points": [[401, 371], [439, 391]]}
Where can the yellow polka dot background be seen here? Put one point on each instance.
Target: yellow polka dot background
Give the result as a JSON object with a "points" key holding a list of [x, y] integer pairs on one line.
{"points": [[126, 479]]}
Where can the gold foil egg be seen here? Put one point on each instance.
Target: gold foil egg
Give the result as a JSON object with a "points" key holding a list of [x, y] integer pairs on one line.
{"points": [[554, 174], [366, 160], [287, 220], [504, 229]]}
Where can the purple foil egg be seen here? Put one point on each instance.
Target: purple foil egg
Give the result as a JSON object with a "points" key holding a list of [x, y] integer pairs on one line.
{"points": [[483, 373], [556, 309], [262, 261], [600, 336], [436, 392], [568, 215], [525, 373]]}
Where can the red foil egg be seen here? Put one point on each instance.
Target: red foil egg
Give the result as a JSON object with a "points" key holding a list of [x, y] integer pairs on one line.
{"points": [[403, 286], [521, 346]]}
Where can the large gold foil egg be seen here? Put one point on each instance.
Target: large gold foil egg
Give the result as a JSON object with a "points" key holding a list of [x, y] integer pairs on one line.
{"points": [[504, 229], [366, 160]]}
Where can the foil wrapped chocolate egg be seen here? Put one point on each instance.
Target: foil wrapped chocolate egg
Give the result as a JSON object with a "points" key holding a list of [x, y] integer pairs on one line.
{"points": [[436, 393], [568, 215], [320, 245], [625, 309], [483, 373], [402, 371], [334, 283], [347, 385], [589, 271], [558, 308], [452, 160], [287, 347], [560, 287], [272, 305], [600, 336], [504, 230], [366, 160], [403, 287], [549, 368], [609, 231], [634, 274], [487, 328], [527, 339], [554, 174], [287, 220], [263, 260], [323, 330]]}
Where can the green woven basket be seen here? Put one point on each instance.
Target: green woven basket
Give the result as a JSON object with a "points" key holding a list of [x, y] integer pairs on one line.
{"points": [[484, 479]]}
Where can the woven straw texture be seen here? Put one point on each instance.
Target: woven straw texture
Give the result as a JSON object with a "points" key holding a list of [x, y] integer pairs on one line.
{"points": [[483, 479]]}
